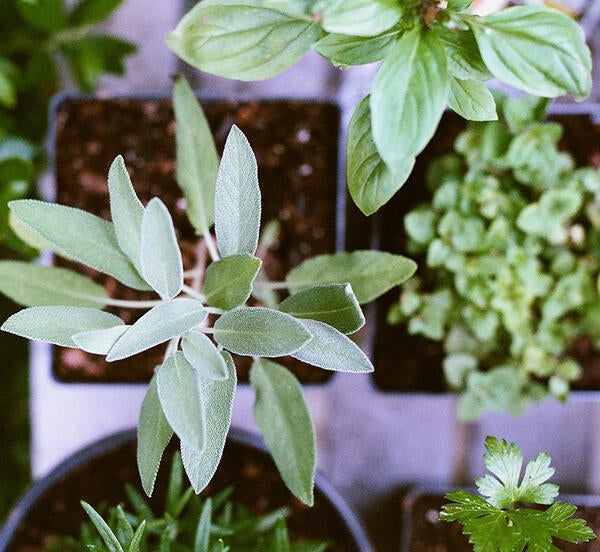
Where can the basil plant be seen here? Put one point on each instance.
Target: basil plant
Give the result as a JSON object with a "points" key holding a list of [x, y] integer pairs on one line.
{"points": [[434, 53], [202, 314]]}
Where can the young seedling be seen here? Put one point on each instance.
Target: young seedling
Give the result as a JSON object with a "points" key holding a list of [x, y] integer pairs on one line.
{"points": [[499, 519], [202, 316]]}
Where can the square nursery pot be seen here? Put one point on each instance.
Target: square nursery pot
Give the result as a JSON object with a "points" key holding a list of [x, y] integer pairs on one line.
{"points": [[296, 145], [420, 369]]}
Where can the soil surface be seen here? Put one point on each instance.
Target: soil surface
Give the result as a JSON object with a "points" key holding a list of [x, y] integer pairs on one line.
{"points": [[296, 149]]}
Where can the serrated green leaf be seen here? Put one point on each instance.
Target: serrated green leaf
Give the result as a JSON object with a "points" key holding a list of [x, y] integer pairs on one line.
{"points": [[80, 236], [182, 404], [32, 285], [109, 538], [197, 158], [126, 211], [202, 354], [56, 324], [153, 434], [539, 50], [284, 420], [371, 182], [228, 281], [90, 12], [408, 97], [163, 322], [359, 17], [160, 258], [200, 466], [138, 538], [237, 197], [571, 530], [471, 100], [241, 39], [99, 342], [257, 331], [370, 273], [344, 50], [334, 304], [332, 350]]}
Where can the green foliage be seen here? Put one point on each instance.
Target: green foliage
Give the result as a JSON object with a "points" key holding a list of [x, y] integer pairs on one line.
{"points": [[499, 521], [192, 391], [188, 523], [434, 53], [510, 239]]}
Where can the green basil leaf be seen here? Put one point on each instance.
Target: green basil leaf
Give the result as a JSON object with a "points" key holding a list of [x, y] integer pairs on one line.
{"points": [[202, 354], [90, 12], [160, 257], [462, 53], [334, 304], [408, 98], [371, 273], [126, 211], [109, 538], [472, 100], [241, 39], [332, 350], [154, 434], [197, 158], [257, 331], [80, 236], [371, 182], [539, 50], [237, 197], [200, 466], [181, 400], [343, 50], [284, 420], [56, 324], [359, 17], [163, 322], [99, 342], [35, 286], [228, 282]]}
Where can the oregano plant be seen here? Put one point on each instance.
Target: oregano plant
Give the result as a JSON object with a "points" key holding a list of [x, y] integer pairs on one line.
{"points": [[202, 315], [434, 54]]}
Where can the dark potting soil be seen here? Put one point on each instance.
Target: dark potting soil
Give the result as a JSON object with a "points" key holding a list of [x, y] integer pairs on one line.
{"points": [[296, 147], [252, 474], [405, 362]]}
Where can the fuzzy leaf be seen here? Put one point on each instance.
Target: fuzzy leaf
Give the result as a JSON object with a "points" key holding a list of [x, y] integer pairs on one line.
{"points": [[237, 197], [160, 257], [109, 538], [78, 235], [197, 158], [472, 100], [344, 50], [99, 342], [56, 324], [284, 420], [359, 17], [370, 273], [202, 354], [228, 281], [163, 322], [334, 304], [332, 350], [154, 434], [32, 285], [200, 466]]}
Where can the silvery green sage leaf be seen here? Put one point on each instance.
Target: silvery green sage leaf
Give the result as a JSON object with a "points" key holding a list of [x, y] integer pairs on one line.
{"points": [[218, 395], [472, 100], [237, 197], [228, 281], [408, 97], [197, 158], [126, 211], [358, 17], [371, 182], [202, 354], [344, 50], [334, 304], [183, 405], [78, 235], [33, 285], [160, 257], [371, 273], [539, 50], [332, 350], [257, 331], [154, 434], [163, 322], [284, 420], [110, 540], [99, 342], [56, 324], [242, 39]]}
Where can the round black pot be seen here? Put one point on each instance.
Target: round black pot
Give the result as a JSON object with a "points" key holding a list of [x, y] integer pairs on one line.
{"points": [[99, 472]]}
